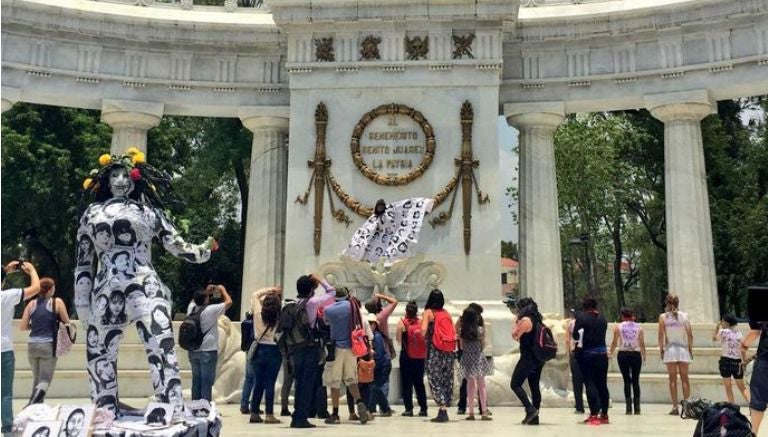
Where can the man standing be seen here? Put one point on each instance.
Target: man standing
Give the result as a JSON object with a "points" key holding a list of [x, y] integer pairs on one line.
{"points": [[11, 298], [296, 326], [203, 360], [339, 317], [758, 387]]}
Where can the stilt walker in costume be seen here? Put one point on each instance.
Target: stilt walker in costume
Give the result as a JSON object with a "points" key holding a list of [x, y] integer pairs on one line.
{"points": [[124, 215]]}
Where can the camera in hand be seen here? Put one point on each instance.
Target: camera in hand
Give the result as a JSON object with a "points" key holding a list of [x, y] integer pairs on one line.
{"points": [[757, 306]]}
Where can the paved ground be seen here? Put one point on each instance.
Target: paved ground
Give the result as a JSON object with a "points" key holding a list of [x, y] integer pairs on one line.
{"points": [[506, 421]]}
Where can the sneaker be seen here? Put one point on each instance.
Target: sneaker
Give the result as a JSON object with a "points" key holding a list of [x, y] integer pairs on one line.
{"points": [[407, 413], [304, 424], [323, 415], [362, 412], [285, 413], [442, 417], [423, 413], [604, 419], [255, 418], [244, 411], [333, 420], [386, 414], [532, 422], [590, 419], [530, 415], [577, 411], [271, 420]]}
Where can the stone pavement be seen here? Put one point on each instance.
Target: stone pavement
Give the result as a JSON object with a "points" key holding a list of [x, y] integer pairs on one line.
{"points": [[555, 422]]}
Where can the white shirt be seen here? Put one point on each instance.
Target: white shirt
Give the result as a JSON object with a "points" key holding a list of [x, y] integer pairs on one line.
{"points": [[11, 298], [730, 339], [209, 322]]}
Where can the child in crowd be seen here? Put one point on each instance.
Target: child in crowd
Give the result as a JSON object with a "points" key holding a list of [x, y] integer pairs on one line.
{"points": [[381, 371], [732, 356]]}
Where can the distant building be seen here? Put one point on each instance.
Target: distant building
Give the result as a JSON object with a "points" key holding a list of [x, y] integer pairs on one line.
{"points": [[510, 282]]}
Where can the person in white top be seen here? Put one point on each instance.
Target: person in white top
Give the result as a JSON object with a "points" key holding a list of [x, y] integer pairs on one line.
{"points": [[266, 359], [203, 360], [629, 338], [676, 348], [732, 357], [11, 298]]}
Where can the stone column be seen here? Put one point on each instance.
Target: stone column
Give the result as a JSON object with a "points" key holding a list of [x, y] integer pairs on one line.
{"points": [[130, 120], [690, 258], [267, 190], [541, 275]]}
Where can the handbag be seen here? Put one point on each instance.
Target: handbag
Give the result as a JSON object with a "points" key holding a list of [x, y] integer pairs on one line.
{"points": [[66, 335], [255, 345], [357, 334], [365, 371]]}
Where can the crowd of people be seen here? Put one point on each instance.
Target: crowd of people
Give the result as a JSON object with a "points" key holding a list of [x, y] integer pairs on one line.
{"points": [[328, 342]]}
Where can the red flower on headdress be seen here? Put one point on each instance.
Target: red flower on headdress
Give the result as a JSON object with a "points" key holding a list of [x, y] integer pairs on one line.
{"points": [[135, 174]]}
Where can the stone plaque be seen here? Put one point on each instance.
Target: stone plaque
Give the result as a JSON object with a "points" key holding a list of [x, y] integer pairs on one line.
{"points": [[393, 144]]}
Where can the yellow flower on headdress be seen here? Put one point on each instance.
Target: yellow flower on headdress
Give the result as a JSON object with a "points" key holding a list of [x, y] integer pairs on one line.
{"points": [[138, 158], [87, 183], [105, 159], [132, 151]]}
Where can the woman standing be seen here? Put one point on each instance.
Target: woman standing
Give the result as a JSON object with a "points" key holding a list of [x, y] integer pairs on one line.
{"points": [[732, 356], [474, 365], [629, 337], [441, 345], [528, 367], [412, 357], [267, 359], [40, 318], [676, 348], [593, 361]]}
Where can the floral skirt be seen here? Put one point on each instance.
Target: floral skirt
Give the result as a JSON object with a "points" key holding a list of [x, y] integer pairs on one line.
{"points": [[440, 374]]}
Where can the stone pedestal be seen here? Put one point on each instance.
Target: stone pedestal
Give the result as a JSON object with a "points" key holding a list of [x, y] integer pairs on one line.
{"points": [[130, 120], [541, 274], [265, 227], [690, 259]]}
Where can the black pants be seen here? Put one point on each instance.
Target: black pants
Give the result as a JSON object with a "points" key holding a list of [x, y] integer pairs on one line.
{"points": [[630, 364], [594, 367], [528, 368], [578, 383], [319, 403], [305, 380], [412, 378]]}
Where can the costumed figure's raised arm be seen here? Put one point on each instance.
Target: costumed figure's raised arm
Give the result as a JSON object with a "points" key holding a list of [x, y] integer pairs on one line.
{"points": [[85, 271], [172, 241]]}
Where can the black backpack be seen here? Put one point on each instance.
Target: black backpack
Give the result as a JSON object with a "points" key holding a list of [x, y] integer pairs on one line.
{"points": [[191, 331], [723, 419], [544, 344], [294, 326], [246, 332]]}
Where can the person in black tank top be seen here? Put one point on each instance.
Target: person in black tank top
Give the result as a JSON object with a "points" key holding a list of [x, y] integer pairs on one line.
{"points": [[593, 361], [528, 367]]}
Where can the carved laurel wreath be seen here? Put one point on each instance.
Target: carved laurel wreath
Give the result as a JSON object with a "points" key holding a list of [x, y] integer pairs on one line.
{"points": [[392, 109]]}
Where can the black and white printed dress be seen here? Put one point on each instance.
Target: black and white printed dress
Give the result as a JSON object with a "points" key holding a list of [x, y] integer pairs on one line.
{"points": [[473, 362]]}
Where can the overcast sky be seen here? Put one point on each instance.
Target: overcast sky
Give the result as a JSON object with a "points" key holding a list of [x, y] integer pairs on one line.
{"points": [[507, 173]]}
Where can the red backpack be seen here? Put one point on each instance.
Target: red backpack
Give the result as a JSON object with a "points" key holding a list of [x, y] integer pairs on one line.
{"points": [[415, 343], [444, 335]]}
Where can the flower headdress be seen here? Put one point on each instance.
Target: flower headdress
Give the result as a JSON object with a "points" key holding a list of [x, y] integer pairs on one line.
{"points": [[151, 185]]}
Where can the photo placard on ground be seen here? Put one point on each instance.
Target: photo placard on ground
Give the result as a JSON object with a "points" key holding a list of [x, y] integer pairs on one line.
{"points": [[49, 428], [77, 420], [200, 408], [158, 414]]}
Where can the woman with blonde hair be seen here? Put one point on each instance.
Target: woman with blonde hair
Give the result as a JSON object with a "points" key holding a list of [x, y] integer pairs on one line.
{"points": [[676, 348], [40, 317]]}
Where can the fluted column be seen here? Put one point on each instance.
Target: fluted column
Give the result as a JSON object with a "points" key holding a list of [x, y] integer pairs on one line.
{"points": [[690, 258], [130, 120], [541, 274], [267, 188]]}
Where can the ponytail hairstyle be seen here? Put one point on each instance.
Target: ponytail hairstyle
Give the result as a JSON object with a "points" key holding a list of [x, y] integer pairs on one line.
{"points": [[627, 314], [412, 310], [270, 310], [527, 307], [673, 302], [46, 285]]}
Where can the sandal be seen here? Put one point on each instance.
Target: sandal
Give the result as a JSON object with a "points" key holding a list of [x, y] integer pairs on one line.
{"points": [[470, 417]]}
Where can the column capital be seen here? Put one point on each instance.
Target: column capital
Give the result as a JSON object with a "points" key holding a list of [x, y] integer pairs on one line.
{"points": [[264, 117], [535, 114], [131, 113], [682, 105], [9, 97]]}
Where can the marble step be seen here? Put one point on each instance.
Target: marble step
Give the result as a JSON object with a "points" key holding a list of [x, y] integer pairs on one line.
{"points": [[654, 389], [74, 383], [129, 357]]}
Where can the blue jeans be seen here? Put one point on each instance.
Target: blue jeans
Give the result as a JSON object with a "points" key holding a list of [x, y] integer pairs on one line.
{"points": [[304, 362], [8, 367], [265, 367], [203, 373], [245, 398], [377, 395]]}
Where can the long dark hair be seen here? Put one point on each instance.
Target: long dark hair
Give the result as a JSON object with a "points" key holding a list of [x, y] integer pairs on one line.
{"points": [[270, 310], [527, 307], [435, 301], [412, 310], [470, 322]]}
